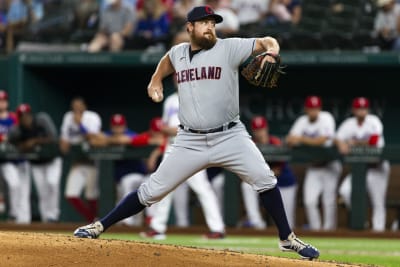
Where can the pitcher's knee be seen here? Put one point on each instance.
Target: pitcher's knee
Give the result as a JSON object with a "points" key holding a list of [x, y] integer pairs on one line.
{"points": [[264, 183], [148, 197]]}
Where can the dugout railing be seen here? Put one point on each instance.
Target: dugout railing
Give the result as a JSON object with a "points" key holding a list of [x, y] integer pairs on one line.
{"points": [[357, 160]]}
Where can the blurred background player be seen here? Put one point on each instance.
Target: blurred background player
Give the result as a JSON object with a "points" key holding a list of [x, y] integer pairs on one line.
{"points": [[317, 128], [365, 129], [251, 13], [386, 24], [78, 125], [15, 172], [116, 25], [36, 130], [286, 180], [181, 196], [152, 26], [199, 183], [129, 173], [229, 27], [216, 176], [7, 119]]}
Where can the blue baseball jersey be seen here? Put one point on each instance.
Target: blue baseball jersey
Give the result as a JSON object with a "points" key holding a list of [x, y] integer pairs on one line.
{"points": [[7, 123], [286, 177]]}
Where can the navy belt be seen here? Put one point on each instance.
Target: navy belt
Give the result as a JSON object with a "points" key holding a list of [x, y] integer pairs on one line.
{"points": [[213, 130]]}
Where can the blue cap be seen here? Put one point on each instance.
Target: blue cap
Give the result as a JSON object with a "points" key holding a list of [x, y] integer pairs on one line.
{"points": [[202, 12]]}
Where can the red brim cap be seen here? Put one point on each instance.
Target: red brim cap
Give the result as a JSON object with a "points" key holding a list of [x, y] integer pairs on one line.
{"points": [[313, 102], [360, 102], [118, 120], [259, 122]]}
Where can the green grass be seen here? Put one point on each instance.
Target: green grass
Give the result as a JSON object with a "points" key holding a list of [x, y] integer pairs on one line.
{"points": [[372, 252]]}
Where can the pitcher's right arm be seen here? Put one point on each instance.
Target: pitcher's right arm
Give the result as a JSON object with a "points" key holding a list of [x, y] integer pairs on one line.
{"points": [[155, 87]]}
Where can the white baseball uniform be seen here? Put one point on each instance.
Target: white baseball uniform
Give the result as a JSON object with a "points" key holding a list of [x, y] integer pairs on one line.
{"points": [[180, 202], [321, 178], [198, 183], [17, 177], [82, 175], [217, 177], [377, 174], [47, 178]]}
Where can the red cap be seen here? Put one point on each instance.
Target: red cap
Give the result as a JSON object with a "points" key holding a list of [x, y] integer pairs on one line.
{"points": [[360, 102], [118, 120], [156, 124], [3, 95], [313, 101], [23, 108], [258, 122]]}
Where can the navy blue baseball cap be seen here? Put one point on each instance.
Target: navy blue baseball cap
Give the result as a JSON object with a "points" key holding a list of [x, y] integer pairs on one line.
{"points": [[202, 12]]}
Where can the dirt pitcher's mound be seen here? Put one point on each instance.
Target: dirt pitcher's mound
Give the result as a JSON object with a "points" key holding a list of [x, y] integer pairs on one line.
{"points": [[42, 249]]}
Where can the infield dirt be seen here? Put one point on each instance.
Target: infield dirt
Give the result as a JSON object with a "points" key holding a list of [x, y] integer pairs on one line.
{"points": [[47, 249]]}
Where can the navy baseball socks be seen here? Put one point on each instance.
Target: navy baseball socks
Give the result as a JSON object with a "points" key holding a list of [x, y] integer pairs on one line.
{"points": [[128, 206], [272, 202]]}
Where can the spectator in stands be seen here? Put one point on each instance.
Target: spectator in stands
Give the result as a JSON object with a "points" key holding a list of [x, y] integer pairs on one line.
{"points": [[152, 28], [286, 11], [21, 14], [365, 130], [168, 4], [116, 25], [86, 14], [56, 23], [33, 130], [251, 14], [3, 23], [387, 25], [316, 128], [132, 4], [180, 10], [230, 25], [286, 179]]}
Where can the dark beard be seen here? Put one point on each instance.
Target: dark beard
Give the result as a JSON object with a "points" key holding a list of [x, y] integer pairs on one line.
{"points": [[203, 42]]}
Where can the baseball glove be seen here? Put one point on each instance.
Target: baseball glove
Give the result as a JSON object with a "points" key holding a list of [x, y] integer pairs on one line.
{"points": [[268, 75]]}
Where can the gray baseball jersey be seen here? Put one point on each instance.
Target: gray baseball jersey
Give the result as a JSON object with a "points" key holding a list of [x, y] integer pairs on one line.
{"points": [[208, 89], [208, 84]]}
